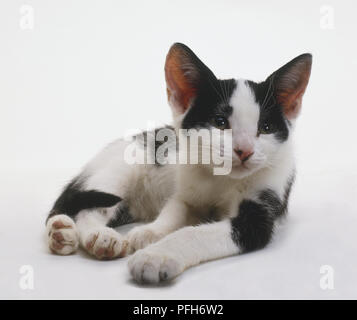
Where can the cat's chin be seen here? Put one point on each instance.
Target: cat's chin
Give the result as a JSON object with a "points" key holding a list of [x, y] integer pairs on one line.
{"points": [[240, 172]]}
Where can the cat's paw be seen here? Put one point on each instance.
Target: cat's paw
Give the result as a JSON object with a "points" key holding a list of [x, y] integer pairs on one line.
{"points": [[62, 235], [148, 266], [104, 243], [142, 236]]}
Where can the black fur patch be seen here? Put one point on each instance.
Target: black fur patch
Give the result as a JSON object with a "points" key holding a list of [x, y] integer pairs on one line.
{"points": [[122, 216], [270, 200], [73, 199], [270, 111], [252, 229], [212, 100]]}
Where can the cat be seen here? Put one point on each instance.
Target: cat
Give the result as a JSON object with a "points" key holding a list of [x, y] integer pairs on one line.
{"points": [[192, 214]]}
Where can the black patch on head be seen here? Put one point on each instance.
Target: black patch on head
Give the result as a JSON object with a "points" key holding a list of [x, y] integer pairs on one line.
{"points": [[122, 216], [73, 199], [270, 111], [211, 100]]}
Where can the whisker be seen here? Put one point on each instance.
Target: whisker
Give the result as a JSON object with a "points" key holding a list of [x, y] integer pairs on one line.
{"points": [[269, 92]]}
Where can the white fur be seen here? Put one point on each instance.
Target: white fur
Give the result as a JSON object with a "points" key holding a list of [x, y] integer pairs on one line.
{"points": [[245, 116], [62, 235], [97, 239], [184, 248], [171, 218]]}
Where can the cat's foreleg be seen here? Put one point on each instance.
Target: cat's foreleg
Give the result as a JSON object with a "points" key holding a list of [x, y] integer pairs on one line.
{"points": [[172, 217], [186, 247], [250, 230]]}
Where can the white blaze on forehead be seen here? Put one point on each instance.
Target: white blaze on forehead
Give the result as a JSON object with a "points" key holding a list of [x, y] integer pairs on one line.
{"points": [[245, 115]]}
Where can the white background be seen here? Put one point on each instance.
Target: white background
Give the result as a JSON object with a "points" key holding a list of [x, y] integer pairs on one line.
{"points": [[91, 70]]}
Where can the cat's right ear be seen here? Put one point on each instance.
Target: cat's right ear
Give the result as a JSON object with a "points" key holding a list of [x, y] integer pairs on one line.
{"points": [[185, 74]]}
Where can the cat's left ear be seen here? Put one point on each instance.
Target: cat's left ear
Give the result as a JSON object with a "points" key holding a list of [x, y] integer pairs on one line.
{"points": [[290, 82]]}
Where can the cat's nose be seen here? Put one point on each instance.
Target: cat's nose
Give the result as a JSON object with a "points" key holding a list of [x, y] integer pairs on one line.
{"points": [[243, 155]]}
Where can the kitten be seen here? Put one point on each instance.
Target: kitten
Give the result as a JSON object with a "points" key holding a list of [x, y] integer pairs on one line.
{"points": [[193, 215]]}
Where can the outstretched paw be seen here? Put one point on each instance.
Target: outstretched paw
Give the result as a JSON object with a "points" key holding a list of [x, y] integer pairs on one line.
{"points": [[147, 266], [62, 235], [105, 243], [142, 236]]}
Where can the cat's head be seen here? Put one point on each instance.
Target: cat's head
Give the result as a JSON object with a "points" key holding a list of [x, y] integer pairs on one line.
{"points": [[261, 115]]}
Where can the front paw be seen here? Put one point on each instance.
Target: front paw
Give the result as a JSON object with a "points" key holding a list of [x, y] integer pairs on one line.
{"points": [[142, 236], [147, 266]]}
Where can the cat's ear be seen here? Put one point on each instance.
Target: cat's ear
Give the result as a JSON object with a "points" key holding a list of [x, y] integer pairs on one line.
{"points": [[290, 82], [185, 74]]}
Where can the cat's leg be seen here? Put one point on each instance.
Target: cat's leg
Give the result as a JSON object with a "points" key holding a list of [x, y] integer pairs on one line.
{"points": [[97, 189], [250, 230], [186, 247], [96, 237], [62, 234], [172, 217]]}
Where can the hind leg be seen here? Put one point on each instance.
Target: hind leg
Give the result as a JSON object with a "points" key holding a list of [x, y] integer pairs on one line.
{"points": [[88, 203], [99, 240], [62, 233]]}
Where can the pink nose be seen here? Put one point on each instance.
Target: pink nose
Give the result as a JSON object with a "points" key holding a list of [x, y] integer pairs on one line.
{"points": [[243, 155]]}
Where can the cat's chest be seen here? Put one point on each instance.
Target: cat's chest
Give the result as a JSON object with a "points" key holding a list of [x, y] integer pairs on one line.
{"points": [[211, 194]]}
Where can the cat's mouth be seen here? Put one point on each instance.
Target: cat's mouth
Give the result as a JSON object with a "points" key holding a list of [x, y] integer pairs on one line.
{"points": [[241, 170], [241, 165]]}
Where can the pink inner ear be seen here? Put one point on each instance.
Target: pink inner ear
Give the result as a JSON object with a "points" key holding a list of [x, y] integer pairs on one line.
{"points": [[291, 98], [291, 102], [179, 87]]}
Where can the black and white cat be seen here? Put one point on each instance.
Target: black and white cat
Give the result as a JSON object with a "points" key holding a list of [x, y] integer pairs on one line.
{"points": [[193, 215]]}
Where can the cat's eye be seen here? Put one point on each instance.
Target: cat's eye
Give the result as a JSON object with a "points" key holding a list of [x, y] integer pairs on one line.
{"points": [[220, 122], [266, 128]]}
